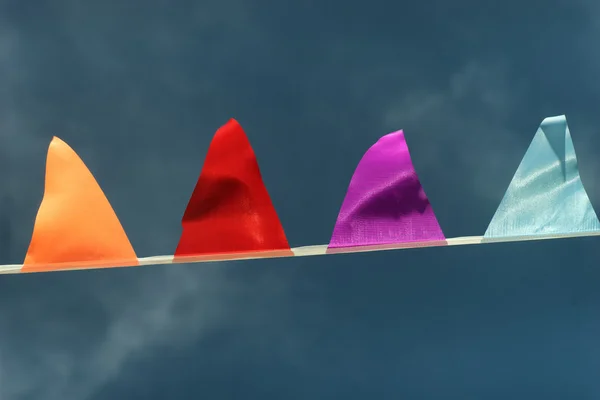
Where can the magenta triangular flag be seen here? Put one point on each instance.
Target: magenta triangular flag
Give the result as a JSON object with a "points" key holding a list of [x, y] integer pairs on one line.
{"points": [[385, 203]]}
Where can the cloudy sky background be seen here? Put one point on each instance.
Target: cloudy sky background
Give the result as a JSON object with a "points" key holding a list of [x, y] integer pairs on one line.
{"points": [[138, 89]]}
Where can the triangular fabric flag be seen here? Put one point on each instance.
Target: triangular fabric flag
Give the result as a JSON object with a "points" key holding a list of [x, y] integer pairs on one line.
{"points": [[230, 211], [546, 195], [385, 203], [75, 226]]}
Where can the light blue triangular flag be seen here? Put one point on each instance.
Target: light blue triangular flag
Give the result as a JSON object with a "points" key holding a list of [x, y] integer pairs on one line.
{"points": [[545, 196]]}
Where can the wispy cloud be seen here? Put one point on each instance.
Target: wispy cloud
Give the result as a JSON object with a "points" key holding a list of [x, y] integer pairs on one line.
{"points": [[467, 124], [66, 336], [65, 340], [62, 352]]}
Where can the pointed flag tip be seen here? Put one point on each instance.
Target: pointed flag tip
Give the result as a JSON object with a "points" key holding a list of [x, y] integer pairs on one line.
{"points": [[546, 195], [56, 139], [230, 210], [232, 123], [554, 120], [385, 202], [75, 225]]}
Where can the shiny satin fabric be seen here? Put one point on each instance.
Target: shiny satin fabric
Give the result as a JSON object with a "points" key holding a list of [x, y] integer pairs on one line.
{"points": [[230, 210], [546, 195], [385, 202], [76, 226]]}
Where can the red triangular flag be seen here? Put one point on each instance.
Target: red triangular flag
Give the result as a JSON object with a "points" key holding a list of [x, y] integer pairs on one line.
{"points": [[230, 210]]}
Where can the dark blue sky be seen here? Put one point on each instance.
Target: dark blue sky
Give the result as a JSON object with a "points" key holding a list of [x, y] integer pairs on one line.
{"points": [[138, 89]]}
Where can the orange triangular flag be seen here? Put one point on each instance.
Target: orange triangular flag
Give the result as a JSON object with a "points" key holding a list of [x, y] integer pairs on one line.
{"points": [[75, 226]]}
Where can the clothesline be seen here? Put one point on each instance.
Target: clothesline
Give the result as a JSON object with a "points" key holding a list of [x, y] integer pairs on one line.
{"points": [[318, 250]]}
